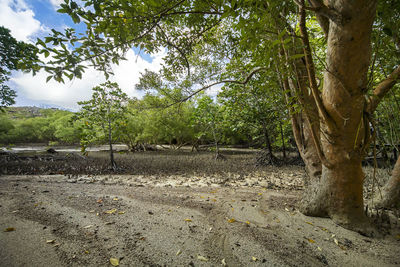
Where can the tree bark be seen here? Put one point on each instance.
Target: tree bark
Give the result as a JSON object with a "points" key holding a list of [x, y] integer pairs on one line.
{"points": [[390, 197], [339, 193], [283, 141]]}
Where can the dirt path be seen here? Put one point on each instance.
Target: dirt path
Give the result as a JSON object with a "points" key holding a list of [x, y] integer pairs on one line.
{"points": [[70, 221]]}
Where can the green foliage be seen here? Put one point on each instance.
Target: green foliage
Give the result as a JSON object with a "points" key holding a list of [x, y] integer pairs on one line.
{"points": [[34, 125], [103, 114], [14, 55]]}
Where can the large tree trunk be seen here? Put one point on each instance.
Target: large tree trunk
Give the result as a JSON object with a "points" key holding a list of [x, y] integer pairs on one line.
{"points": [[339, 193], [390, 197]]}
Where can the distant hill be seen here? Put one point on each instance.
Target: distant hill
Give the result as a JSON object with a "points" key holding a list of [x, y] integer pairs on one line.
{"points": [[29, 112]]}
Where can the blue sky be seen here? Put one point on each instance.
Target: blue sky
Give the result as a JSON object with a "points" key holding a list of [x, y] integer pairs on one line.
{"points": [[30, 19]]}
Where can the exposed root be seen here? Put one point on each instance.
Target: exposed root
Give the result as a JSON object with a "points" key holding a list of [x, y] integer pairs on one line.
{"points": [[265, 158]]}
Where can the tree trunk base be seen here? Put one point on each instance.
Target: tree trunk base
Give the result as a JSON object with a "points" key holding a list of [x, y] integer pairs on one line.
{"points": [[265, 158], [338, 195]]}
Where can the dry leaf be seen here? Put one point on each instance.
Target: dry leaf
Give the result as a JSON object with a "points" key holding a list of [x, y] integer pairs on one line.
{"points": [[254, 259], [231, 220], [88, 226], [121, 212], [91, 211], [336, 241], [247, 222], [310, 240], [87, 252], [223, 262], [50, 241], [99, 200], [213, 199], [310, 223], [287, 209], [188, 220], [15, 211], [9, 229], [114, 261], [178, 252], [110, 211], [259, 194], [115, 198], [320, 249], [199, 257]]}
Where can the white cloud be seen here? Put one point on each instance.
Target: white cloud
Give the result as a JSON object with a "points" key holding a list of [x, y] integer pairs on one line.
{"points": [[16, 16], [66, 95], [56, 3]]}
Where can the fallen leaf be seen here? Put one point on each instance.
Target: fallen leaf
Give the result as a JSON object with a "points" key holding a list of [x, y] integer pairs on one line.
{"points": [[231, 220], [199, 257], [99, 200], [115, 198], [336, 241], [254, 259], [91, 211], [310, 240], [178, 252], [121, 212], [110, 211], [213, 192], [259, 194], [9, 229], [15, 211], [56, 245], [310, 223], [88, 226], [188, 220], [320, 249], [223, 262], [247, 222], [201, 197], [87, 252], [50, 241], [114, 261], [213, 199], [287, 209]]}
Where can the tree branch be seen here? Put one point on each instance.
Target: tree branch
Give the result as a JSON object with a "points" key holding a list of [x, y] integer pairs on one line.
{"points": [[311, 70], [382, 89], [321, 9], [246, 80], [322, 20]]}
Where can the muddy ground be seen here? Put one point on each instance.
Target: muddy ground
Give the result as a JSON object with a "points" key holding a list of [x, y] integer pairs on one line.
{"points": [[201, 218]]}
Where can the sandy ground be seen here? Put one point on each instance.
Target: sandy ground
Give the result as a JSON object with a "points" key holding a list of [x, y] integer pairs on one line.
{"points": [[59, 220]]}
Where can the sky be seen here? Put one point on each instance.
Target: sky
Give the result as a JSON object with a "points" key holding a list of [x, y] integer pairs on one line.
{"points": [[32, 19]]}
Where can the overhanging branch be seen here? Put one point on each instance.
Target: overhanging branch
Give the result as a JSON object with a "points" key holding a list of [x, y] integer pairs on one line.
{"points": [[245, 81], [382, 89]]}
